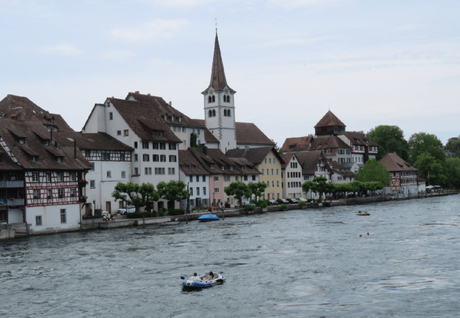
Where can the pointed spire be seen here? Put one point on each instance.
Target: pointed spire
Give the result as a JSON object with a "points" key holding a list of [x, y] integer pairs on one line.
{"points": [[218, 80]]}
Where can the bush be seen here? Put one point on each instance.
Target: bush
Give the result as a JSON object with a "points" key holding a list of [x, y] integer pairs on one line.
{"points": [[319, 201], [176, 212], [249, 207], [161, 212], [283, 207], [308, 200], [227, 204], [302, 203], [262, 203]]}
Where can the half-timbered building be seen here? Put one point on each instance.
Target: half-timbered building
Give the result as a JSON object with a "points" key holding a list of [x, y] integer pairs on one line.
{"points": [[44, 176], [403, 175]]}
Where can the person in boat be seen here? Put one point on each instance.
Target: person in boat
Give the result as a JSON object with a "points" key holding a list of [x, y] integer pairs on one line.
{"points": [[195, 277], [210, 276]]}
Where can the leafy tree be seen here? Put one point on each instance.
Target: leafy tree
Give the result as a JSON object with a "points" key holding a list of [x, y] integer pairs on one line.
{"points": [[425, 143], [239, 190], [373, 170], [389, 139], [453, 145], [318, 185], [172, 191], [193, 138], [452, 169], [427, 164], [257, 188], [134, 194]]}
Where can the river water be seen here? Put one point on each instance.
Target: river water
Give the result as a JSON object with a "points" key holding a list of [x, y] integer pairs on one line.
{"points": [[303, 263]]}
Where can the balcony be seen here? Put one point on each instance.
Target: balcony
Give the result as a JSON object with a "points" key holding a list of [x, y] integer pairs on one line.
{"points": [[11, 184], [11, 202]]}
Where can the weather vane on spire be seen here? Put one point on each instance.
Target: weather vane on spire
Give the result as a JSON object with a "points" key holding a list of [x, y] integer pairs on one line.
{"points": [[216, 25]]}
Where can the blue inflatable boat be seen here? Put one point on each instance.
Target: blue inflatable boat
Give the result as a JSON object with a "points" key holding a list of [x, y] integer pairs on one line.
{"points": [[208, 218], [204, 281]]}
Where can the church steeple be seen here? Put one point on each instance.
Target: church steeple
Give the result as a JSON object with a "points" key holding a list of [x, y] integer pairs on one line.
{"points": [[219, 104]]}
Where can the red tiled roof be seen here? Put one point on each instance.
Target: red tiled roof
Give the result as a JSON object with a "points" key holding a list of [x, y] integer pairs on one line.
{"points": [[296, 143], [329, 120], [249, 133], [395, 163], [357, 138]]}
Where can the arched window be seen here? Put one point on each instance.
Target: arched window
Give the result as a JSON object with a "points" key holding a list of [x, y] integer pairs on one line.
{"points": [[213, 112], [209, 99], [228, 113], [213, 98], [210, 113], [225, 111]]}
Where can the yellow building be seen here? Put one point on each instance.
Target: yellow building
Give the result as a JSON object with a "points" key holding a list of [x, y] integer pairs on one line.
{"points": [[268, 161]]}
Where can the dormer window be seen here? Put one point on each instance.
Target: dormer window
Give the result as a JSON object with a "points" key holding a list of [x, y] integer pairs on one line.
{"points": [[60, 159], [232, 167], [180, 119], [22, 141], [46, 142], [172, 118], [190, 167], [212, 166], [165, 117], [223, 167], [34, 158], [243, 167], [197, 167]]}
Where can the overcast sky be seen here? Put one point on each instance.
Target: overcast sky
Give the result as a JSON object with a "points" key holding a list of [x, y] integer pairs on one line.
{"points": [[371, 62]]}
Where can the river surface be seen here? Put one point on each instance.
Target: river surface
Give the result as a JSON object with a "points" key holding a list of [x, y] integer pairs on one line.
{"points": [[303, 263]]}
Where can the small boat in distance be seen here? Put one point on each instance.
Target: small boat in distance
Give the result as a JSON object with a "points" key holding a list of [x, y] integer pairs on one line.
{"points": [[204, 281], [363, 213], [208, 218]]}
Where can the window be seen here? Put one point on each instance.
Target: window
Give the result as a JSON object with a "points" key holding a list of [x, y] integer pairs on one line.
{"points": [[48, 177], [35, 177], [135, 144], [122, 156], [191, 191], [204, 190], [126, 132], [36, 194], [172, 171], [162, 158], [197, 178], [73, 192], [253, 177], [245, 178], [277, 171], [162, 146], [111, 116], [60, 176], [118, 132], [63, 216], [236, 178], [269, 160], [38, 220], [136, 171], [268, 184], [172, 158], [265, 160], [216, 190], [268, 171], [226, 178], [159, 170], [216, 178], [72, 176], [145, 158], [272, 171], [136, 157], [148, 171], [155, 158], [109, 174], [263, 171], [154, 145], [197, 191], [145, 145], [61, 193], [277, 184], [273, 183], [105, 156], [172, 146], [274, 160], [92, 184], [123, 174]]}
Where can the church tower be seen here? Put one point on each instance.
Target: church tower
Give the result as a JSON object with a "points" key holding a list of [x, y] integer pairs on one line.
{"points": [[219, 104]]}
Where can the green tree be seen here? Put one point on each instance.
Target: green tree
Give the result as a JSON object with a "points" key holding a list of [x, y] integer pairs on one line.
{"points": [[390, 139], [172, 191], [239, 190], [318, 185], [193, 138], [373, 170], [452, 169], [429, 165], [134, 194], [453, 145], [425, 143], [257, 188]]}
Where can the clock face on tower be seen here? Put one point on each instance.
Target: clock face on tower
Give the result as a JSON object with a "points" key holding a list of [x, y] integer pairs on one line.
{"points": [[226, 91], [211, 92]]}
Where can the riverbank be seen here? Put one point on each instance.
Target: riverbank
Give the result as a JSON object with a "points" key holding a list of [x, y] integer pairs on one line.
{"points": [[12, 231]]}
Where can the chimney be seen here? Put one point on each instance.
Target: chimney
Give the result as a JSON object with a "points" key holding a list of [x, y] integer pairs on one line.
{"points": [[170, 103], [137, 92], [205, 149], [246, 149]]}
